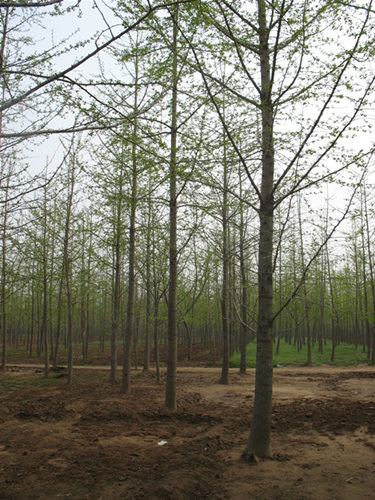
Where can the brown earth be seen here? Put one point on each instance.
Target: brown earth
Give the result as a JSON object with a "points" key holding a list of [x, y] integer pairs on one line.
{"points": [[89, 442]]}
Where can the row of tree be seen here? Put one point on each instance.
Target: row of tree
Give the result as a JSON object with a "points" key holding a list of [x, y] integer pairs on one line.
{"points": [[336, 298], [183, 199]]}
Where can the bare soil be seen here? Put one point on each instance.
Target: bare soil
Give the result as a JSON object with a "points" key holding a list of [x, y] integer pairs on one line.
{"points": [[90, 442]]}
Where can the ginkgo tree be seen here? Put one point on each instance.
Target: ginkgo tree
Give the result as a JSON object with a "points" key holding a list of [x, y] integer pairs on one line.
{"points": [[309, 88]]}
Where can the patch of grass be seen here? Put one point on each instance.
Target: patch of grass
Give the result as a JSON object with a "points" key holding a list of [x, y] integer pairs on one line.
{"points": [[19, 352], [9, 383], [15, 383], [345, 355]]}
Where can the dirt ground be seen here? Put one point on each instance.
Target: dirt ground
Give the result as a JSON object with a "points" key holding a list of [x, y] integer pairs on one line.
{"points": [[89, 442]]}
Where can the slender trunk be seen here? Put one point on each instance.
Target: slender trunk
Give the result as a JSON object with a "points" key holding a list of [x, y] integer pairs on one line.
{"points": [[156, 337], [116, 304], [333, 309], [171, 382], [67, 272], [59, 314], [125, 386], [3, 320], [224, 379], [244, 317], [31, 344], [307, 306], [146, 355], [366, 340], [88, 323], [45, 291], [83, 296], [371, 347], [3, 326], [322, 304]]}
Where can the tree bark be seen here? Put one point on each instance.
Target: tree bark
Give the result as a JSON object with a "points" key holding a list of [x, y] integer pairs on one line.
{"points": [[259, 442], [171, 383]]}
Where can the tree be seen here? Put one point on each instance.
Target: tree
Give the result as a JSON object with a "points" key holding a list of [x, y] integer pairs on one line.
{"points": [[67, 260], [280, 42], [171, 385]]}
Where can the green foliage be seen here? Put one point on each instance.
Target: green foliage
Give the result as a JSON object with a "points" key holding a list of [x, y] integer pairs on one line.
{"points": [[345, 355]]}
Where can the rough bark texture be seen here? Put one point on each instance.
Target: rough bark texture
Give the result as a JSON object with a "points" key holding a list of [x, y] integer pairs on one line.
{"points": [[259, 442]]}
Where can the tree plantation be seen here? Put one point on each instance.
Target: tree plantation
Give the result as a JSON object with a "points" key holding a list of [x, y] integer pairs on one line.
{"points": [[187, 173]]}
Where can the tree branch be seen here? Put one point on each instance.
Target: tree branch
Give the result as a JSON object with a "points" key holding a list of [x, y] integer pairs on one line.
{"points": [[25, 3], [74, 66]]}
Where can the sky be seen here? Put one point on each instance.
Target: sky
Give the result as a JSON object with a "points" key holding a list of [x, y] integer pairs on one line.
{"points": [[88, 23]]}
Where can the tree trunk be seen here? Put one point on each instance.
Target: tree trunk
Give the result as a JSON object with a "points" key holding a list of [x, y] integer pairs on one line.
{"points": [[259, 442], [125, 386], [171, 382], [116, 296], [224, 379], [3, 326], [45, 290], [146, 355], [244, 317], [307, 305], [71, 185]]}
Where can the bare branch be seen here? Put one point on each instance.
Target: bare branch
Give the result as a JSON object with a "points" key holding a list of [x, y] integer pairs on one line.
{"points": [[79, 63], [317, 253], [25, 3]]}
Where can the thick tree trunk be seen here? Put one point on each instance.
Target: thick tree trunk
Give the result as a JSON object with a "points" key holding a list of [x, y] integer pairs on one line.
{"points": [[259, 442]]}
